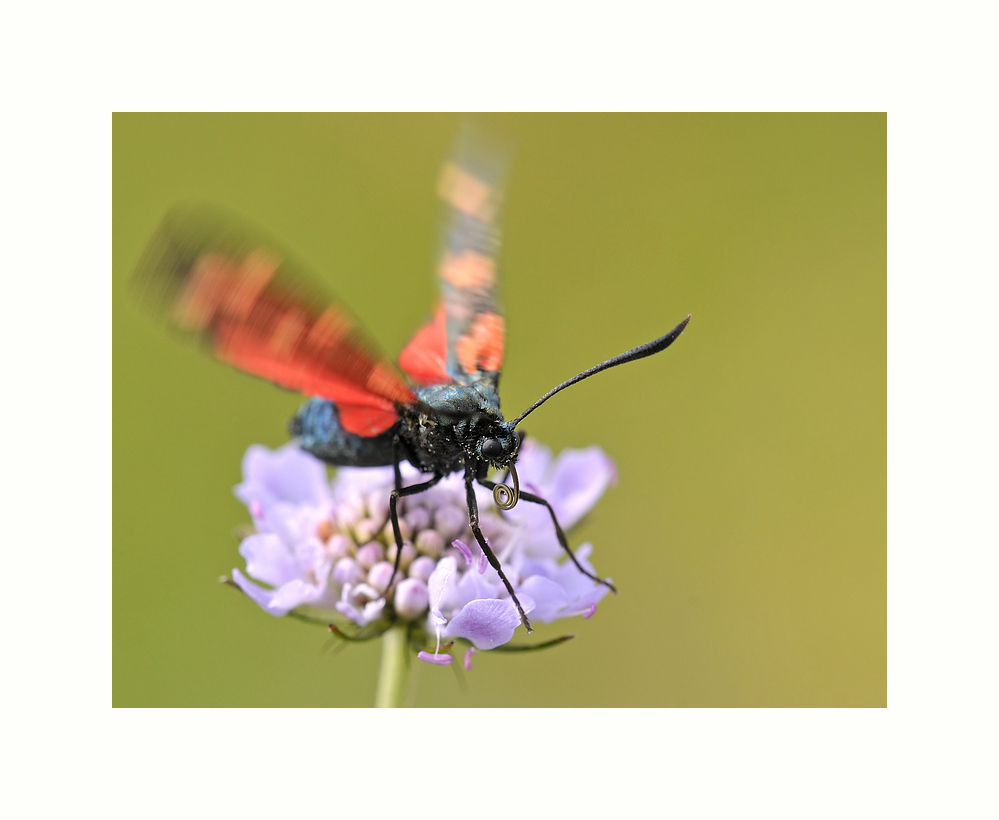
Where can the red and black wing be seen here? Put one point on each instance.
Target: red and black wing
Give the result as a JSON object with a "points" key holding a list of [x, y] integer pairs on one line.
{"points": [[464, 341], [257, 310]]}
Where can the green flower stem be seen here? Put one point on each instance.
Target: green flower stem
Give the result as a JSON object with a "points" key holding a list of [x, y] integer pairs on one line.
{"points": [[394, 672]]}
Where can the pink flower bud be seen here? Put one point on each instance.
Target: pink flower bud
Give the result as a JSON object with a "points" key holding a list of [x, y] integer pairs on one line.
{"points": [[380, 575], [370, 554], [429, 542], [339, 546], [450, 522], [422, 567], [346, 571], [411, 598], [418, 519]]}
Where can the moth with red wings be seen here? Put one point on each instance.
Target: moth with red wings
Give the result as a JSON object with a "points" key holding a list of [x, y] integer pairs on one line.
{"points": [[255, 308]]}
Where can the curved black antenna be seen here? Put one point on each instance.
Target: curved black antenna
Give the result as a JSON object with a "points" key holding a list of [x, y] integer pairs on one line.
{"points": [[640, 352]]}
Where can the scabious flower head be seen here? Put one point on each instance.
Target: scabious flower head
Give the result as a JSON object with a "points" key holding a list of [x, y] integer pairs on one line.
{"points": [[328, 546]]}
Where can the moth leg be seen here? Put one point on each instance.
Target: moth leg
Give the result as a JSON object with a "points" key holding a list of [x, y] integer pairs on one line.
{"points": [[401, 492], [393, 516], [535, 499], [395, 462], [473, 522]]}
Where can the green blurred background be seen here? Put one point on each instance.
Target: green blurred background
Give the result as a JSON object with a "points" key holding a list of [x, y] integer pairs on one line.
{"points": [[747, 534]]}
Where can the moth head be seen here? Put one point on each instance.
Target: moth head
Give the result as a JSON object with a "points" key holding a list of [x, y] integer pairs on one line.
{"points": [[499, 446], [500, 449]]}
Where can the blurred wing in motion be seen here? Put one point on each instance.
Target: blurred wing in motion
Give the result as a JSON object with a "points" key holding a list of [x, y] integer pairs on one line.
{"points": [[464, 341], [255, 309]]}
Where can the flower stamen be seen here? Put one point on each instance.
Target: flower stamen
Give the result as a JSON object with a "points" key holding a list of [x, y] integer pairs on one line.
{"points": [[441, 659], [463, 548]]}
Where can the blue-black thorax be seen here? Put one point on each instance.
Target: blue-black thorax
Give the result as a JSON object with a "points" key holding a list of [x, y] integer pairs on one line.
{"points": [[441, 433]]}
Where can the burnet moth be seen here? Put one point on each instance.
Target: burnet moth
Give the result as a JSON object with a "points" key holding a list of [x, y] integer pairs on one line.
{"points": [[255, 308]]}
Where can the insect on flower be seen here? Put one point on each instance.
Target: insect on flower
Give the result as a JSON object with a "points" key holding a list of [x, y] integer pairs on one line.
{"points": [[254, 308]]}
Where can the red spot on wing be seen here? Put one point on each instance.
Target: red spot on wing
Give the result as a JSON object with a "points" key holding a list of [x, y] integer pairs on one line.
{"points": [[466, 193], [424, 359], [468, 269], [482, 347], [366, 421]]}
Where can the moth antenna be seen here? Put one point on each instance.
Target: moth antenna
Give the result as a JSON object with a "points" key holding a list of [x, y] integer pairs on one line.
{"points": [[640, 352]]}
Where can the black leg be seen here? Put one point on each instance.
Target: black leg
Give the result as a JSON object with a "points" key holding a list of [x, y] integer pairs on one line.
{"points": [[473, 522], [536, 499], [395, 462], [401, 492]]}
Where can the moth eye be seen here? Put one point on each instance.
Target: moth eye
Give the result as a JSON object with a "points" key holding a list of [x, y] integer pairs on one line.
{"points": [[491, 448]]}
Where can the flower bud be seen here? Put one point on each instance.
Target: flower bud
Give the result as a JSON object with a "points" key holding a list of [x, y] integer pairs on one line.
{"points": [[408, 554], [348, 514], [450, 522], [370, 554], [339, 546], [347, 571], [325, 529], [380, 575], [389, 534], [411, 598], [365, 530], [429, 542], [418, 519], [377, 502], [422, 567]]}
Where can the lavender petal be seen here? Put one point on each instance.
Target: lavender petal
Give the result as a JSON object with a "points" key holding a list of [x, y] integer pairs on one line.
{"points": [[487, 623]]}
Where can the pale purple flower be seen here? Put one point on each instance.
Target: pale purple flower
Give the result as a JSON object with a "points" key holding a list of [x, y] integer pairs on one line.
{"points": [[325, 546], [288, 495]]}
